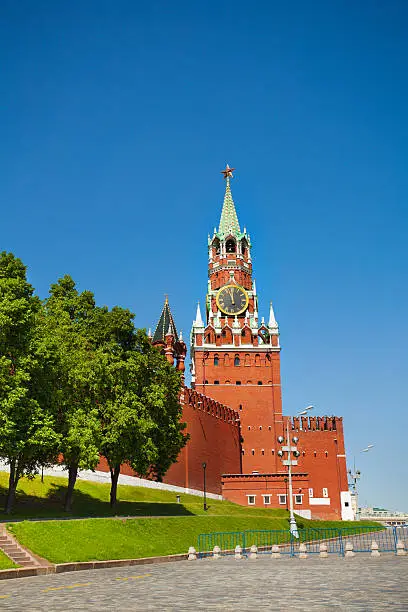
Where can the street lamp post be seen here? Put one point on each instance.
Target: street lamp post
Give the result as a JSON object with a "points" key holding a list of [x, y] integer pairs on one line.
{"points": [[291, 450], [205, 492], [355, 476]]}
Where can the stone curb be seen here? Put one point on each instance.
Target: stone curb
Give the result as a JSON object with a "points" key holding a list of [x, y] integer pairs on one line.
{"points": [[59, 568]]}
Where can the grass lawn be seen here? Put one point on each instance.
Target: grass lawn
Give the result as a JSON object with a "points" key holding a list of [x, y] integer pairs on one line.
{"points": [[5, 562], [176, 528], [101, 539], [44, 500]]}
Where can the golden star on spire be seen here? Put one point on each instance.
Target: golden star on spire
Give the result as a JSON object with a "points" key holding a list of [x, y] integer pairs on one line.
{"points": [[228, 172]]}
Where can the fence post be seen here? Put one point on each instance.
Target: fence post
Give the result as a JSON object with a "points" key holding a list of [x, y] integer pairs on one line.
{"points": [[243, 542], [394, 532], [292, 548], [341, 546]]}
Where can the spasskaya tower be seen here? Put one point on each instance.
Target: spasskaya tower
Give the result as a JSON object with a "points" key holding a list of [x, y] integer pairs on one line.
{"points": [[236, 353]]}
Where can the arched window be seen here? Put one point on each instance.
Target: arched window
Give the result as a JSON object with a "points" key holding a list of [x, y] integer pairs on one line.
{"points": [[216, 382], [259, 382], [257, 360], [230, 246], [216, 360], [236, 361]]}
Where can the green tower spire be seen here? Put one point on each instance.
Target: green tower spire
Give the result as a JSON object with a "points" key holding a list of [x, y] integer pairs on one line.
{"points": [[229, 223]]}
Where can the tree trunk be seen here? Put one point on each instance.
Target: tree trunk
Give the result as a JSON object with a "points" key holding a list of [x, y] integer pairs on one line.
{"points": [[114, 472], [13, 482], [72, 476]]}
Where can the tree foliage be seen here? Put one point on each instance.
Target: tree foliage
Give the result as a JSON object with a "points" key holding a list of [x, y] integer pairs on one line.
{"points": [[78, 380], [28, 437]]}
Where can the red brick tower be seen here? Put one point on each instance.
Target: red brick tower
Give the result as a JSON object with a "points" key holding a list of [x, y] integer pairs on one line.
{"points": [[235, 354]]}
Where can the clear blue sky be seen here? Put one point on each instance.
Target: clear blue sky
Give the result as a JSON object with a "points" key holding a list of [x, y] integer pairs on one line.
{"points": [[116, 119]]}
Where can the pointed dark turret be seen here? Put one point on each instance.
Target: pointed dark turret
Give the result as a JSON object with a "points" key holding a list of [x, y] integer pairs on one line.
{"points": [[165, 325]]}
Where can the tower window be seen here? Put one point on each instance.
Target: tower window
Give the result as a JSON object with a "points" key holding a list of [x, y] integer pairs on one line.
{"points": [[238, 382], [236, 361], [259, 382], [216, 382], [253, 452], [216, 361], [224, 333], [262, 451], [240, 406], [243, 333], [230, 246], [249, 427]]}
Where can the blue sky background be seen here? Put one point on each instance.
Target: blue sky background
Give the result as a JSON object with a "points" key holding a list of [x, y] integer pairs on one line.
{"points": [[116, 119]]}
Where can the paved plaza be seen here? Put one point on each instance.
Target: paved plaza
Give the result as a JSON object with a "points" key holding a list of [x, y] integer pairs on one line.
{"points": [[335, 583]]}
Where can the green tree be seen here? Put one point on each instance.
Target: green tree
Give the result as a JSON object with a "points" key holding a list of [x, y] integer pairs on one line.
{"points": [[68, 326], [138, 400], [28, 437]]}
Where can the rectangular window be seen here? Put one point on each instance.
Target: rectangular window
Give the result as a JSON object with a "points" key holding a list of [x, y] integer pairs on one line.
{"points": [[325, 492], [282, 499], [267, 499], [251, 500], [310, 492], [298, 499]]}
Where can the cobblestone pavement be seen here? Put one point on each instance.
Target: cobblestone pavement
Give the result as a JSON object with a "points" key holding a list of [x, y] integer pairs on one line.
{"points": [[335, 583]]}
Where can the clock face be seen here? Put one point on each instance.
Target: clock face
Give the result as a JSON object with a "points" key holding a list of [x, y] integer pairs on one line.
{"points": [[232, 300]]}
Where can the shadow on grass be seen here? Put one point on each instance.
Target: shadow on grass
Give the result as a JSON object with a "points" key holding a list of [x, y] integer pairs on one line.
{"points": [[84, 505]]}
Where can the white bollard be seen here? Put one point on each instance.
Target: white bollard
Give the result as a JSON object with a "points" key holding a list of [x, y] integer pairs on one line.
{"points": [[192, 554], [374, 549], [302, 551], [349, 550], [216, 552], [253, 551], [323, 551], [238, 552], [400, 549], [275, 552]]}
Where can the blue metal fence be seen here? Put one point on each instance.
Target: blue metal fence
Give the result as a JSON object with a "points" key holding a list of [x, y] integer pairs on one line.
{"points": [[335, 539]]}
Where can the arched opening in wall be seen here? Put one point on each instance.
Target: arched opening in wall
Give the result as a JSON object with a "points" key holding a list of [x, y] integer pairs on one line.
{"points": [[247, 359], [216, 360], [226, 359], [227, 382], [273, 451], [240, 406], [326, 453], [315, 454], [244, 247], [216, 246], [249, 428], [303, 453], [249, 382], [230, 245], [253, 451], [269, 428], [257, 360], [243, 452], [206, 382], [259, 382], [260, 428], [236, 360], [262, 452]]}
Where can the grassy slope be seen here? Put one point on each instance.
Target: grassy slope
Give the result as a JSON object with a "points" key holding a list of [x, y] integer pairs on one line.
{"points": [[44, 500], [100, 539], [5, 562], [83, 540]]}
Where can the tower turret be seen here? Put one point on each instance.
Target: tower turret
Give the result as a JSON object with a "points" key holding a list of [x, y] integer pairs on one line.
{"points": [[234, 350]]}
